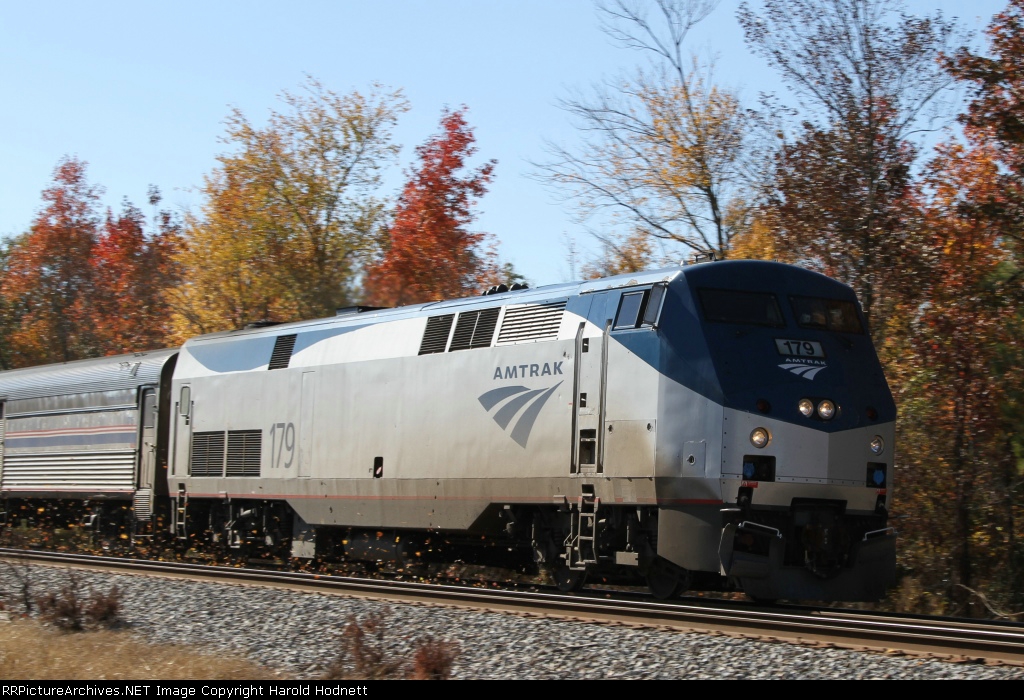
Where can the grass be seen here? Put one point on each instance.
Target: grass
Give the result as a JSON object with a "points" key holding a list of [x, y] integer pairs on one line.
{"points": [[30, 651]]}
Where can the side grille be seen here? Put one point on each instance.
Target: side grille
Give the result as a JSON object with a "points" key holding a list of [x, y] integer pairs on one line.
{"points": [[244, 452], [207, 454], [435, 338], [475, 329], [282, 354], [531, 323]]}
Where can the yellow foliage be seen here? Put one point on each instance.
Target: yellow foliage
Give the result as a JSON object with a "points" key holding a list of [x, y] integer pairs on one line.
{"points": [[289, 217], [760, 242]]}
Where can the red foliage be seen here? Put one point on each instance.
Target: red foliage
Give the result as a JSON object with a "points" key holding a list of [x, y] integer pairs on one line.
{"points": [[431, 252], [131, 270], [48, 271], [75, 288]]}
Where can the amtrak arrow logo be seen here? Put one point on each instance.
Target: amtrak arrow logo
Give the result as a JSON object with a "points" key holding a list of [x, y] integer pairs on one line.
{"points": [[515, 398], [802, 370]]}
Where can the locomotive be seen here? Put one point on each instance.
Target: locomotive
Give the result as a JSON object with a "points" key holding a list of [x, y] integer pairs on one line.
{"points": [[722, 425]]}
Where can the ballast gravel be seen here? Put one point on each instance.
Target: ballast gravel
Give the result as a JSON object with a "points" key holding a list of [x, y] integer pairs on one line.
{"points": [[300, 635]]}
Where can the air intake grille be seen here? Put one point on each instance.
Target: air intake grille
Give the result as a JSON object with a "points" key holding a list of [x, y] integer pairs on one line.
{"points": [[530, 323], [282, 354], [475, 329], [207, 454], [244, 452], [435, 338]]}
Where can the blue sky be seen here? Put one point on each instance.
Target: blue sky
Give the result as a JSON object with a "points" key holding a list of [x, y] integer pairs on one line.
{"points": [[140, 90]]}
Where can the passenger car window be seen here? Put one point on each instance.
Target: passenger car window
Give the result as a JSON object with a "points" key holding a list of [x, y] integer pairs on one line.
{"points": [[747, 308]]}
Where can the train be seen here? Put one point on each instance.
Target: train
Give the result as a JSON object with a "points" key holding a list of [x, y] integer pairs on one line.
{"points": [[720, 425]]}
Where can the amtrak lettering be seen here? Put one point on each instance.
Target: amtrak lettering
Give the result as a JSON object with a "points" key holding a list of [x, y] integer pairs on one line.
{"points": [[520, 371], [803, 367]]}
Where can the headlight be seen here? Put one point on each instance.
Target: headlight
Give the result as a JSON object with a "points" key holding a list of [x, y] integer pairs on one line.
{"points": [[760, 437], [877, 445], [826, 409], [806, 407]]}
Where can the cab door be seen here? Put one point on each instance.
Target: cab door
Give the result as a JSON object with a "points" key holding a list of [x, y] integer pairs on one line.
{"points": [[183, 409], [589, 376]]}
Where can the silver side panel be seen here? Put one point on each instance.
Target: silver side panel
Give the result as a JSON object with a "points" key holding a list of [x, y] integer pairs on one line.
{"points": [[102, 374]]}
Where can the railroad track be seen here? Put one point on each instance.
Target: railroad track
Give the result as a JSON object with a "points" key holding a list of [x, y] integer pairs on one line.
{"points": [[952, 639]]}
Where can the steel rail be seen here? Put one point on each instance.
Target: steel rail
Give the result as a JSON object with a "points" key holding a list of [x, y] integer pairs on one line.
{"points": [[953, 639]]}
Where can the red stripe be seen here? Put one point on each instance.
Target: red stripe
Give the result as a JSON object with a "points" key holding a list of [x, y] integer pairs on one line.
{"points": [[520, 499]]}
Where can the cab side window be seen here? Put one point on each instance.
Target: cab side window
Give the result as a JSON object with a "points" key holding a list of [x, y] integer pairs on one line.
{"points": [[639, 308]]}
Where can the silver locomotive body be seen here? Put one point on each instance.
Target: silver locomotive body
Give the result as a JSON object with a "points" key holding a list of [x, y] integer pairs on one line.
{"points": [[643, 424], [603, 426]]}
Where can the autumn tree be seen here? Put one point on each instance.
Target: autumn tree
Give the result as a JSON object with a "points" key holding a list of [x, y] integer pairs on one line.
{"points": [[996, 111], [631, 253], [48, 275], [431, 253], [956, 494], [133, 270], [962, 375], [997, 105], [663, 153], [291, 214], [865, 76]]}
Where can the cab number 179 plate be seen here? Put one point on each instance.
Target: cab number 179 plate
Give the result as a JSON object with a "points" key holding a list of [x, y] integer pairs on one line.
{"points": [[799, 348]]}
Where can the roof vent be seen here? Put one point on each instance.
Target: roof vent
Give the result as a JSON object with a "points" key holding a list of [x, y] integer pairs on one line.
{"points": [[435, 337], [475, 329], [531, 322], [282, 354]]}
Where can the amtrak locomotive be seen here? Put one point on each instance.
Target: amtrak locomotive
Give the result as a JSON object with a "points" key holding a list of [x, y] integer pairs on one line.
{"points": [[715, 426]]}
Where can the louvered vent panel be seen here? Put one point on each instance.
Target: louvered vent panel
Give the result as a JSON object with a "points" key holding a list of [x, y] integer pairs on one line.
{"points": [[207, 454], [435, 338], [526, 323], [474, 329], [244, 452], [463, 336], [488, 319], [282, 354]]}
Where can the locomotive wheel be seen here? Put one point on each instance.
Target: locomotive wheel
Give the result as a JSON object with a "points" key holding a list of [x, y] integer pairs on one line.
{"points": [[567, 580], [666, 580]]}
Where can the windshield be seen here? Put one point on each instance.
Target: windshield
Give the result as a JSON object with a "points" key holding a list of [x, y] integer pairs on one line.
{"points": [[830, 314], [748, 308]]}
